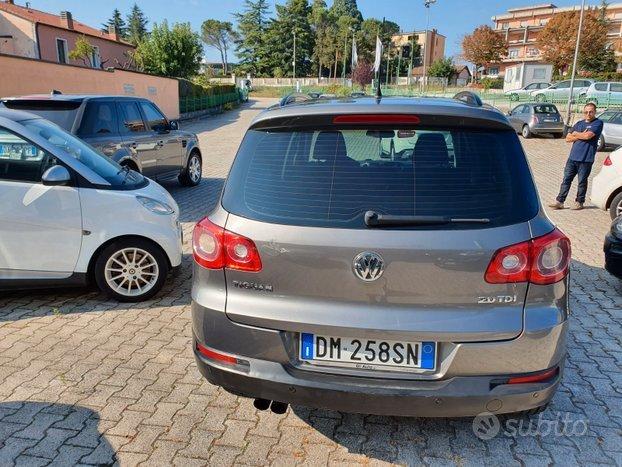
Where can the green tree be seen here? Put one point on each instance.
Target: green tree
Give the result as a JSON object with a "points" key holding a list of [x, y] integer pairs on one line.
{"points": [[250, 45], [346, 8], [219, 35], [136, 25], [291, 18], [442, 68], [117, 21], [83, 50], [319, 20], [174, 52]]}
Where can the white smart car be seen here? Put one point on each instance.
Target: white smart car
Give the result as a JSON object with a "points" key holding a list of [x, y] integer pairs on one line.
{"points": [[69, 215], [607, 185]]}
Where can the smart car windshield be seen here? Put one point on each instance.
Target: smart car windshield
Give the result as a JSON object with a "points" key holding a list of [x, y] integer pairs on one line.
{"points": [[109, 170]]}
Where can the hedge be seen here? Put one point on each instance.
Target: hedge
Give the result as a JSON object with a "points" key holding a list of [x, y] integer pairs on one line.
{"points": [[188, 89]]}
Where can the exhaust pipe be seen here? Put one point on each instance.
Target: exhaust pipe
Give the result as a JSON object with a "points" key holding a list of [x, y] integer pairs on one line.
{"points": [[278, 407], [261, 404]]}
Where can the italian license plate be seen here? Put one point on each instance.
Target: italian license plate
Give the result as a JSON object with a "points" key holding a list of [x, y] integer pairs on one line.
{"points": [[367, 353]]}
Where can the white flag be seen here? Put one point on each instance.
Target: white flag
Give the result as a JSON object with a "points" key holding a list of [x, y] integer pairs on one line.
{"points": [[378, 55], [355, 56]]}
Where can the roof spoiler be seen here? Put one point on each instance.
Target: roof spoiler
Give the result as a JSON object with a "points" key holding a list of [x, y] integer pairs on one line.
{"points": [[470, 98]]}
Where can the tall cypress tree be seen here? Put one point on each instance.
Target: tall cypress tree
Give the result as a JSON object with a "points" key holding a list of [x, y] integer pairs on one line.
{"points": [[346, 8], [251, 44], [136, 25], [293, 17], [116, 20]]}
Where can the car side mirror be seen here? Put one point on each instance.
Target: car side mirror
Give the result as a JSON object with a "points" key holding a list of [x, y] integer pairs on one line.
{"points": [[173, 125], [56, 175]]}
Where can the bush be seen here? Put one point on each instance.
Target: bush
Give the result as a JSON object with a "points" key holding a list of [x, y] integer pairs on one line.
{"points": [[491, 83]]}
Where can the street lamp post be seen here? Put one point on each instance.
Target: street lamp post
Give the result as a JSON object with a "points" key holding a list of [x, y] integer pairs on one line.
{"points": [[345, 53], [294, 61], [574, 63], [427, 4]]}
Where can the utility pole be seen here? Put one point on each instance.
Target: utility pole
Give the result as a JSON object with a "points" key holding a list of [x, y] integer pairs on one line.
{"points": [[294, 61], [345, 53], [427, 4], [574, 64], [388, 63], [399, 64], [412, 57]]}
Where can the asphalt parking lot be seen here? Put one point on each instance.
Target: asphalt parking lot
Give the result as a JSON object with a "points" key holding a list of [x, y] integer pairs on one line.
{"points": [[85, 380]]}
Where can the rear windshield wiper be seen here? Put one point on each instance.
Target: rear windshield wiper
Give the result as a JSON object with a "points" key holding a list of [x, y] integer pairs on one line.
{"points": [[374, 219]]}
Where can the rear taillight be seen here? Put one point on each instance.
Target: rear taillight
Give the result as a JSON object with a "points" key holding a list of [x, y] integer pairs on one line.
{"points": [[534, 119], [216, 248], [543, 260], [607, 161]]}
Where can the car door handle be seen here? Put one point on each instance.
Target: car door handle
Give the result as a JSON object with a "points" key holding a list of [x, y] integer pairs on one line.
{"points": [[133, 145], [160, 144]]}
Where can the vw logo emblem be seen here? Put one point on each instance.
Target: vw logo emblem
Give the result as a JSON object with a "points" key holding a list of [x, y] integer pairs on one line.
{"points": [[368, 266]]}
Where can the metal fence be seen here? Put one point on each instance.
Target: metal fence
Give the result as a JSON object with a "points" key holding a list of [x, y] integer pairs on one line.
{"points": [[194, 104], [506, 102]]}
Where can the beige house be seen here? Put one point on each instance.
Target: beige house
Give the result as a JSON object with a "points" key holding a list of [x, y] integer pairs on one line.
{"points": [[432, 46], [520, 28], [27, 32]]}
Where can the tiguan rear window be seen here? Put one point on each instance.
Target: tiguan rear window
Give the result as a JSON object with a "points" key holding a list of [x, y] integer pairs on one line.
{"points": [[331, 178]]}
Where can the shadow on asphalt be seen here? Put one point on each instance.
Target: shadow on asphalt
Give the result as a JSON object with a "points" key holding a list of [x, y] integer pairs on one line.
{"points": [[35, 303], [21, 423]]}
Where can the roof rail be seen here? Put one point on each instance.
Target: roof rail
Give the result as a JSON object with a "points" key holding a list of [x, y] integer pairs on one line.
{"points": [[470, 98], [293, 98]]}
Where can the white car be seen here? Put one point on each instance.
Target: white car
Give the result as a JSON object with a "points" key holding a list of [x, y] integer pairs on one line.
{"points": [[69, 215], [559, 91], [607, 185]]}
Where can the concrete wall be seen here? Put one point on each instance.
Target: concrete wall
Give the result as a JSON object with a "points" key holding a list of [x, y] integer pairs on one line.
{"points": [[111, 53], [23, 42], [26, 76]]}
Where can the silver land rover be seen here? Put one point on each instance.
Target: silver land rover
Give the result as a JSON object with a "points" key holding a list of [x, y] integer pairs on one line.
{"points": [[383, 256]]}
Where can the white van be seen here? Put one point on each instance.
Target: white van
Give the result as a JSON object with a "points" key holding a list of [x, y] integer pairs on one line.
{"points": [[70, 215]]}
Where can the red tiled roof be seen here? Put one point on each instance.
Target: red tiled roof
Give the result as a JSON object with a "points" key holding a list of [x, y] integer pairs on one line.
{"points": [[42, 17]]}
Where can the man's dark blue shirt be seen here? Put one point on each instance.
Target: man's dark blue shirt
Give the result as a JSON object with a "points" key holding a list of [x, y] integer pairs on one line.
{"points": [[585, 151]]}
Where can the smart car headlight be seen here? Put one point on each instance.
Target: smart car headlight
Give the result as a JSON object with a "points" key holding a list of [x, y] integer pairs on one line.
{"points": [[155, 206]]}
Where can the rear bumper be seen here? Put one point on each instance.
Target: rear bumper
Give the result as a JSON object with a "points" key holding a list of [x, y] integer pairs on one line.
{"points": [[547, 128], [456, 397], [462, 385]]}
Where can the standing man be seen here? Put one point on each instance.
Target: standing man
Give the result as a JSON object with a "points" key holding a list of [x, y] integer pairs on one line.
{"points": [[584, 138]]}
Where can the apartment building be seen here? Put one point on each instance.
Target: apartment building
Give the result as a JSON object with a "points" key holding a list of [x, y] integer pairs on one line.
{"points": [[520, 28], [432, 46], [31, 33]]}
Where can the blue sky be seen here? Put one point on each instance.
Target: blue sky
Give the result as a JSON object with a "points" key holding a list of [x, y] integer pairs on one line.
{"points": [[453, 18]]}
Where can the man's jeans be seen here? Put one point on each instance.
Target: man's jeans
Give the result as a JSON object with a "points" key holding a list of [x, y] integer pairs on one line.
{"points": [[573, 168]]}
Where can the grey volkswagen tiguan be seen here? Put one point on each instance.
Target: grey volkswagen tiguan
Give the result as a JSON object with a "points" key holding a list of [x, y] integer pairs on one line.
{"points": [[385, 256]]}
